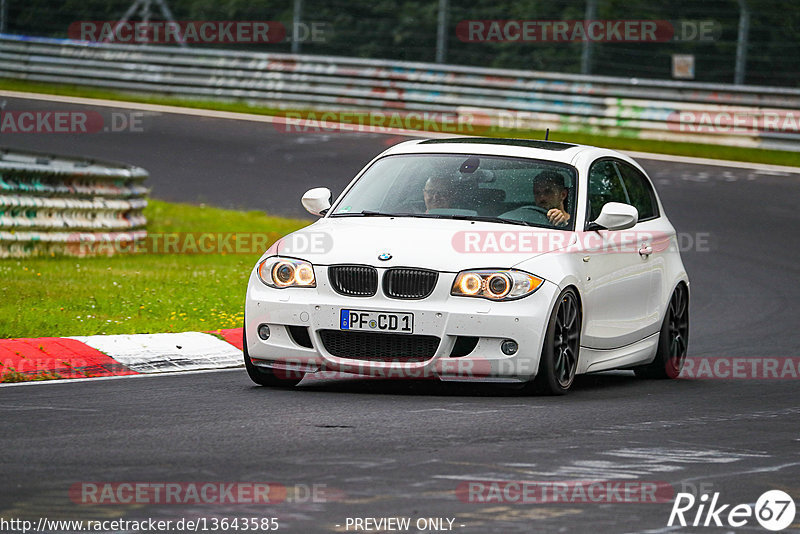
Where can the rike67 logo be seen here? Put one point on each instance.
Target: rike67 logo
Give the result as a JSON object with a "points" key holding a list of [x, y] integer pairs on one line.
{"points": [[774, 510]]}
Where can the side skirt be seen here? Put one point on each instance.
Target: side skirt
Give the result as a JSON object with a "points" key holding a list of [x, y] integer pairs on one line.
{"points": [[638, 353]]}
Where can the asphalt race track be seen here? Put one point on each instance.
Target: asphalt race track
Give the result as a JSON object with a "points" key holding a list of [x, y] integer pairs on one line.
{"points": [[401, 448]]}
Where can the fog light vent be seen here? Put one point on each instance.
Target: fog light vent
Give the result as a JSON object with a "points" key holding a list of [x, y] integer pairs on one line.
{"points": [[509, 347], [263, 331]]}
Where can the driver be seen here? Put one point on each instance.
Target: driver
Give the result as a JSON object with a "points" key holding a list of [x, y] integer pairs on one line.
{"points": [[549, 194], [438, 192]]}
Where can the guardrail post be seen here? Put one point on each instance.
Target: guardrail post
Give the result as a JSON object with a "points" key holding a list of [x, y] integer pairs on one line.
{"points": [[741, 42], [3, 15], [441, 33], [586, 53], [297, 16]]}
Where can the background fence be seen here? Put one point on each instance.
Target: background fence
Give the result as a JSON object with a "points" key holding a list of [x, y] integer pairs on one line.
{"points": [[758, 39], [751, 116], [57, 205]]}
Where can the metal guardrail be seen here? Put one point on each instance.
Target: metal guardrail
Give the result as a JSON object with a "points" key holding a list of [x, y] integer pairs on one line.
{"points": [[649, 109], [58, 205]]}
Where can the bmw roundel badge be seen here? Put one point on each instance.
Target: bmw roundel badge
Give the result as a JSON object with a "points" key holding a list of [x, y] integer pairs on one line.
{"points": [[385, 256]]}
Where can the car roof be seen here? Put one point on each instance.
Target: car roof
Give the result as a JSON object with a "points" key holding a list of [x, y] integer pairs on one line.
{"points": [[495, 146]]}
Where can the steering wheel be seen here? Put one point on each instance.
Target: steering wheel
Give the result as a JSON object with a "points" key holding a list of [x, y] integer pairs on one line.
{"points": [[539, 215], [540, 209]]}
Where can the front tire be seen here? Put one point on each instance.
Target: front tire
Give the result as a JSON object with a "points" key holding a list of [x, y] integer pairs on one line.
{"points": [[265, 376], [561, 347], [673, 341]]}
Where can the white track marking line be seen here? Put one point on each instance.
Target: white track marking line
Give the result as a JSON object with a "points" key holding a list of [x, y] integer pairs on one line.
{"points": [[774, 170], [64, 381], [208, 113], [16, 407]]}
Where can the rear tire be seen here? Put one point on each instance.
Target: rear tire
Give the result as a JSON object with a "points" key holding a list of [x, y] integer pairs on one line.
{"points": [[673, 341], [265, 376]]}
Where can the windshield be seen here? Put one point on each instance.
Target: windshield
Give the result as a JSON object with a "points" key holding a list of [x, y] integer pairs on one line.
{"points": [[503, 189]]}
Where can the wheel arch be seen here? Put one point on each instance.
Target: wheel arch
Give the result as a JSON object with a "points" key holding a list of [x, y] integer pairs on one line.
{"points": [[572, 282], [681, 279]]}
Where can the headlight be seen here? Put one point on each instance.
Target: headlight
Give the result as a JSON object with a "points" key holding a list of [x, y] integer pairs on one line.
{"points": [[495, 284], [286, 272]]}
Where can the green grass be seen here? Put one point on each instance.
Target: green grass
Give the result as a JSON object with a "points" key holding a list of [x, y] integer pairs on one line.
{"points": [[623, 141], [146, 98], [137, 293], [11, 375]]}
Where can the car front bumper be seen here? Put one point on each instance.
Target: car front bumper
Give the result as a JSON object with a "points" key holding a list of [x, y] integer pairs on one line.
{"points": [[441, 315]]}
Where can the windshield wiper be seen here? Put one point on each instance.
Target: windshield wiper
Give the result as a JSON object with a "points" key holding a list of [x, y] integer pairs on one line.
{"points": [[482, 218], [486, 218], [371, 213]]}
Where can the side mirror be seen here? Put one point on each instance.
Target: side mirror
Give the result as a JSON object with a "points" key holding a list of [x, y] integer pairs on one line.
{"points": [[317, 201], [615, 216]]}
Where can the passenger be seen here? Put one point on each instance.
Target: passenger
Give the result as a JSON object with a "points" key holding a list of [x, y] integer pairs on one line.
{"points": [[438, 193]]}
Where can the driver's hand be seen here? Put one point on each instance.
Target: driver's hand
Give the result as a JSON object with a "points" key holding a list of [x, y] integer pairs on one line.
{"points": [[558, 217]]}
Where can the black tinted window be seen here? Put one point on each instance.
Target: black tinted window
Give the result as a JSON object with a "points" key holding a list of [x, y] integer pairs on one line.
{"points": [[604, 186], [639, 190]]}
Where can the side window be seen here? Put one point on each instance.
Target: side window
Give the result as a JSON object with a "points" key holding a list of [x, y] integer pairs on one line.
{"points": [[639, 190], [604, 186]]}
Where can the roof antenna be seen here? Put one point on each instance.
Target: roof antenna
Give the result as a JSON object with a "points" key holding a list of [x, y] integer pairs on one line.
{"points": [[546, 134]]}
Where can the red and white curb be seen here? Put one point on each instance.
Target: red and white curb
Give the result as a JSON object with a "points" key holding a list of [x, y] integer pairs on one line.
{"points": [[102, 356]]}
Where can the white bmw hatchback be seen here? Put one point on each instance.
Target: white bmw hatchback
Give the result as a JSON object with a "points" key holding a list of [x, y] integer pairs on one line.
{"points": [[497, 260]]}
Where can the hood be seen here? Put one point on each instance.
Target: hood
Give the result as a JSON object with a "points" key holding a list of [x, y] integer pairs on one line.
{"points": [[438, 244]]}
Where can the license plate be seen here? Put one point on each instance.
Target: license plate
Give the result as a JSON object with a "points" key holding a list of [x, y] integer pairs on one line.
{"points": [[373, 321]]}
